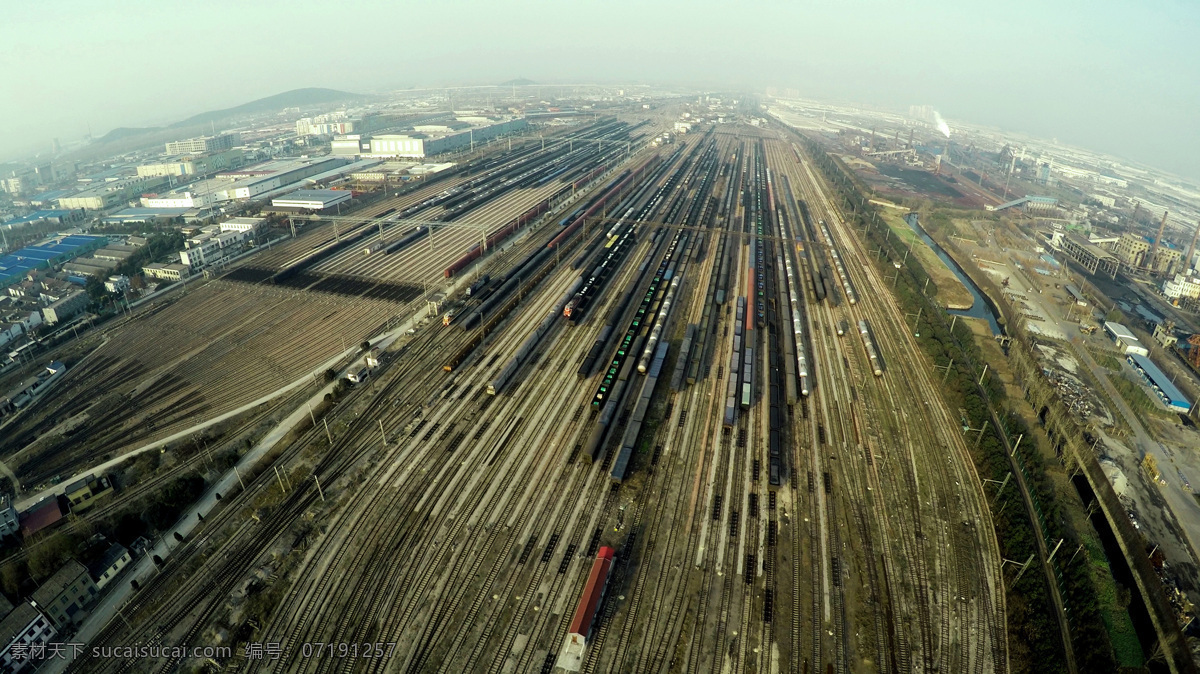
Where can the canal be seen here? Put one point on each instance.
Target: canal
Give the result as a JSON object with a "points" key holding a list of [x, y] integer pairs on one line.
{"points": [[981, 306]]}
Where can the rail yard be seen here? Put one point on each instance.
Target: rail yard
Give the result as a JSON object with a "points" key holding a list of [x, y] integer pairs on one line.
{"points": [[667, 418]]}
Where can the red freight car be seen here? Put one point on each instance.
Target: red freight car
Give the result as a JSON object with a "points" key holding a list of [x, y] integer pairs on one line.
{"points": [[584, 620]]}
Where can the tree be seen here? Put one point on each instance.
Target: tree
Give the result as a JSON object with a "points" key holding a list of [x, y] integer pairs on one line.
{"points": [[178, 537], [330, 374], [95, 290], [158, 561], [11, 576], [365, 346]]}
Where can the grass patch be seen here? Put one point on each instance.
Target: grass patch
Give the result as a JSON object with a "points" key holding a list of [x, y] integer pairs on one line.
{"points": [[1114, 603], [950, 291], [1109, 360], [1137, 398]]}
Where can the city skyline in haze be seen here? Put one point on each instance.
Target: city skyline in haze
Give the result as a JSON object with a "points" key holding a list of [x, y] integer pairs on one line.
{"points": [[1105, 76]]}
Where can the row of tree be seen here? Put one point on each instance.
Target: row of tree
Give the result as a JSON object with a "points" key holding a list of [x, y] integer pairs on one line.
{"points": [[1034, 637]]}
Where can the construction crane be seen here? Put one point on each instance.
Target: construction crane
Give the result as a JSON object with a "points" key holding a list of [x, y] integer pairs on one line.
{"points": [[1194, 351]]}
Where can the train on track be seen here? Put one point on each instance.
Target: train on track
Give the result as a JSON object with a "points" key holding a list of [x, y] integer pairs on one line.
{"points": [[864, 329], [584, 621]]}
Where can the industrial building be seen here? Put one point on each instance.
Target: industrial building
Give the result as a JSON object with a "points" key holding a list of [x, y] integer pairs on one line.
{"points": [[49, 198], [204, 144], [182, 197], [427, 140], [350, 145], [1139, 252], [395, 171], [90, 266], [144, 215], [167, 272], [261, 181], [1124, 339], [52, 216], [15, 265], [111, 193], [1161, 384], [188, 165], [312, 200], [1090, 256], [118, 252]]}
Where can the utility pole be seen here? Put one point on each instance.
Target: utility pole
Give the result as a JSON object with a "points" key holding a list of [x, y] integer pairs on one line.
{"points": [[319, 491], [381, 433]]}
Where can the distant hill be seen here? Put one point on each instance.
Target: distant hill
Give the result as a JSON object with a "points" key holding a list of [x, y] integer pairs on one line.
{"points": [[519, 82], [295, 98], [131, 138], [123, 132]]}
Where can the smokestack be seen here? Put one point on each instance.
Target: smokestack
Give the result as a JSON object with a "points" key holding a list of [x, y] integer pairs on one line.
{"points": [[910, 135], [1187, 261], [1157, 240]]}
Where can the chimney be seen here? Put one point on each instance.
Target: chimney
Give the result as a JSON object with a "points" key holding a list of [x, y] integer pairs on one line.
{"points": [[1157, 240], [1187, 261]]}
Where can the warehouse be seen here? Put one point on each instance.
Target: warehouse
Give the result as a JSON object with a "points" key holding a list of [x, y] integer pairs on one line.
{"points": [[15, 265], [53, 216], [429, 142], [312, 200], [1125, 339], [260, 180], [145, 215], [108, 194], [1159, 382]]}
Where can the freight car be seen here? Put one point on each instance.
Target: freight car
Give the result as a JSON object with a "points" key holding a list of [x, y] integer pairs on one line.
{"points": [[510, 368], [864, 329], [583, 622]]}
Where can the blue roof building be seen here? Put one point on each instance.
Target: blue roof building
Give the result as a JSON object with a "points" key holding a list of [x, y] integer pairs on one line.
{"points": [[56, 216], [1161, 384], [15, 265]]}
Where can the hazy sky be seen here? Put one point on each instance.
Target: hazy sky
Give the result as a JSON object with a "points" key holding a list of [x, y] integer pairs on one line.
{"points": [[1119, 77]]}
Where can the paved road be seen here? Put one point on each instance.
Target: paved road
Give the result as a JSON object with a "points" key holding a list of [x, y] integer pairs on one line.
{"points": [[1181, 501]]}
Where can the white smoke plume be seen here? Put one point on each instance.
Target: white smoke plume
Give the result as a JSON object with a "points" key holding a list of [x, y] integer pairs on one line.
{"points": [[941, 123]]}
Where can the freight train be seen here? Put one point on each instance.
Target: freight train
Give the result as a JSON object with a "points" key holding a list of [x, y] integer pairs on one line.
{"points": [[583, 621], [864, 329]]}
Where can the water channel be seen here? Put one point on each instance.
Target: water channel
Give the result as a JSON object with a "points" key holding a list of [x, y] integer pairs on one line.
{"points": [[981, 306]]}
